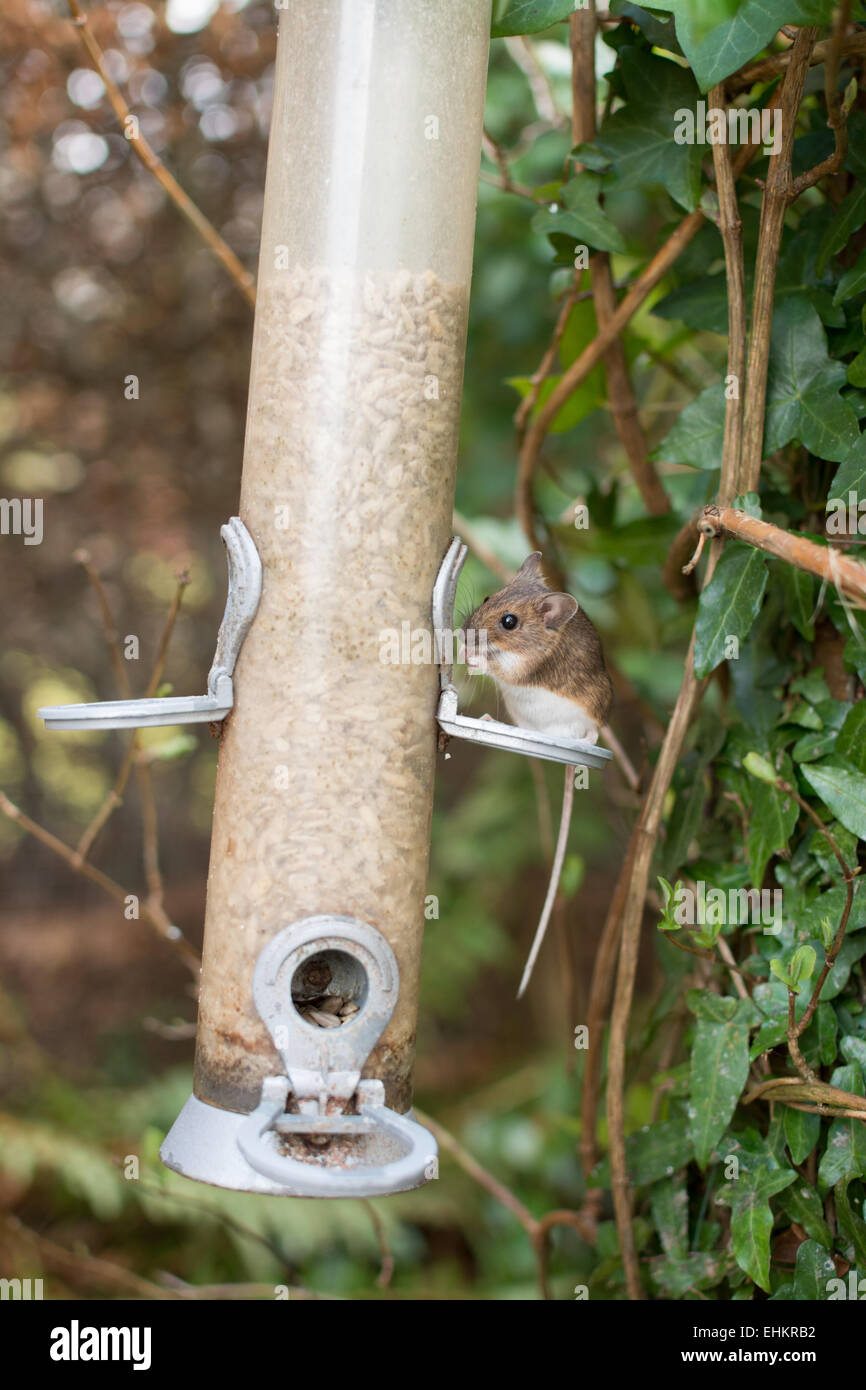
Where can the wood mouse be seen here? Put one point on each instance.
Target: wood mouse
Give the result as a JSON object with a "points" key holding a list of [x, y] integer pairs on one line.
{"points": [[545, 657]]}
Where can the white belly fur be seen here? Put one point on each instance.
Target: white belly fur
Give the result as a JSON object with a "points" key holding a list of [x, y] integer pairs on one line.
{"points": [[531, 707]]}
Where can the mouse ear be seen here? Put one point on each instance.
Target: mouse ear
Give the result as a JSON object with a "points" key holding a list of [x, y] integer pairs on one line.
{"points": [[556, 609], [531, 567]]}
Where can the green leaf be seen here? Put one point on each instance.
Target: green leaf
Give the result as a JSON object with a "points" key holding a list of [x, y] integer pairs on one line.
{"points": [[670, 1209], [697, 436], [851, 739], [638, 139], [729, 604], [853, 1049], [845, 1154], [827, 1028], [751, 1217], [719, 36], [803, 384], [849, 1222], [802, 1132], [530, 17], [581, 197], [760, 768], [802, 1203], [853, 282], [849, 218], [814, 1268], [851, 476], [719, 1069], [802, 964], [856, 371], [842, 787], [654, 1152], [772, 817], [799, 592]]}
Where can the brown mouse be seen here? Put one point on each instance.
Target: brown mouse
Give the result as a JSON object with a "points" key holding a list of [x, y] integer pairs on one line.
{"points": [[546, 659]]}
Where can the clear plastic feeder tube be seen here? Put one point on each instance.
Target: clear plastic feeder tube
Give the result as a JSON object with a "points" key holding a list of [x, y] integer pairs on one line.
{"points": [[325, 782]]}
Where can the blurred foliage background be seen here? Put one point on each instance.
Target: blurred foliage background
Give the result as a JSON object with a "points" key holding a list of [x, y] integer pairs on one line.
{"points": [[101, 279]]}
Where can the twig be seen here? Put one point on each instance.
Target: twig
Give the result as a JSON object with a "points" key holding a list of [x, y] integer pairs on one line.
{"points": [[847, 574], [387, 1268], [543, 370], [216, 244], [849, 875], [731, 228], [150, 839], [768, 68], [622, 399], [112, 636], [79, 1267], [537, 1230], [592, 354], [835, 111], [172, 1032], [151, 913], [777, 194], [793, 1088], [601, 985], [523, 54], [496, 154], [465, 528], [803, 1068]]}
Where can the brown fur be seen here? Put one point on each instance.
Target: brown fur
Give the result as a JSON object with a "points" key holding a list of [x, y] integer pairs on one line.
{"points": [[566, 659]]}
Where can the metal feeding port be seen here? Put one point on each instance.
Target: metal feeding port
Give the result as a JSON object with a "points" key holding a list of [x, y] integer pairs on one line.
{"points": [[319, 1130], [491, 732], [245, 587]]}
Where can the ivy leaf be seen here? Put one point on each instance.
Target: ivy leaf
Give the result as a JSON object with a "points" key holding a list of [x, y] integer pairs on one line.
{"points": [[803, 1204], [697, 436], [803, 384], [802, 1132], [729, 604], [670, 1209], [842, 787], [799, 590], [851, 739], [856, 370], [852, 283], [851, 476], [849, 1222], [638, 139], [814, 1268], [849, 218], [752, 1219], [583, 220], [654, 1152], [845, 1154], [530, 17], [719, 36], [581, 197], [772, 817], [803, 400], [719, 1069], [660, 32]]}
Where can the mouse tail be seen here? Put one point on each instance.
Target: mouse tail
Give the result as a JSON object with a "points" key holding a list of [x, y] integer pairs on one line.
{"points": [[556, 871]]}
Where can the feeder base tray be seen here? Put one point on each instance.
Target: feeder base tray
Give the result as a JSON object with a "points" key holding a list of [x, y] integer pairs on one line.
{"points": [[202, 1144]]}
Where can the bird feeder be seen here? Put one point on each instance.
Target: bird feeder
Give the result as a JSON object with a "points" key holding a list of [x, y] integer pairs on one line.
{"points": [[323, 802]]}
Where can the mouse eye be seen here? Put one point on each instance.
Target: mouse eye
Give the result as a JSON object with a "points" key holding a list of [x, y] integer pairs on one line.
{"points": [[509, 621]]}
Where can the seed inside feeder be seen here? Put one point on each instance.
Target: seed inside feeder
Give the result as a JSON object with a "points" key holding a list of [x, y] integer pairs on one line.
{"points": [[331, 1011]]}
